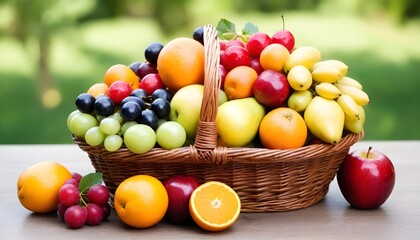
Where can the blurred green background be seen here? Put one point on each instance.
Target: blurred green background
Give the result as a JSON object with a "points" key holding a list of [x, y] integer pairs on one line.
{"points": [[53, 50]]}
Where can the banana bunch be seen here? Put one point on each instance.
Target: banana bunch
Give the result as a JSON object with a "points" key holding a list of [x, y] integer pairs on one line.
{"points": [[329, 99]]}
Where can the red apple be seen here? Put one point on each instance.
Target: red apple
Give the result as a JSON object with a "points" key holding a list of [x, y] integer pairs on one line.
{"points": [[366, 178], [271, 88], [179, 189]]}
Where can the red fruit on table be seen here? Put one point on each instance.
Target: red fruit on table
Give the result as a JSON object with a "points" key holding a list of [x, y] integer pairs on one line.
{"points": [[271, 88], [366, 178], [179, 189]]}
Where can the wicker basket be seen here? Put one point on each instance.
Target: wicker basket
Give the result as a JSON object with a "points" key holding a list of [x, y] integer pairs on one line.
{"points": [[265, 180]]}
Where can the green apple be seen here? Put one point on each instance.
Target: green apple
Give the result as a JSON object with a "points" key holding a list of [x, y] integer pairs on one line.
{"points": [[186, 106], [238, 121]]}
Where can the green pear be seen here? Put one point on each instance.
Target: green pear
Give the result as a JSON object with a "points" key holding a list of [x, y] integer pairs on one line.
{"points": [[325, 119], [186, 106], [238, 121], [354, 124]]}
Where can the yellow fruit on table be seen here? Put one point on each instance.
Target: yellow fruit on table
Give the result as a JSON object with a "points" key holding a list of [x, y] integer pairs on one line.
{"points": [[214, 206], [38, 186], [141, 201], [181, 63]]}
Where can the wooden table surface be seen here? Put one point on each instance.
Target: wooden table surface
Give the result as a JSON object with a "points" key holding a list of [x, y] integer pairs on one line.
{"points": [[332, 218]]}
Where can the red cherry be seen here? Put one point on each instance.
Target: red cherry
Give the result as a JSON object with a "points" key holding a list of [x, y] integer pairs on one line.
{"points": [[235, 42], [256, 43], [222, 45], [223, 73], [235, 56], [285, 38], [256, 65], [151, 82], [118, 91]]}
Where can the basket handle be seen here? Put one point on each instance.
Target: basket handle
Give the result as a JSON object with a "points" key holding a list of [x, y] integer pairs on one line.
{"points": [[205, 143]]}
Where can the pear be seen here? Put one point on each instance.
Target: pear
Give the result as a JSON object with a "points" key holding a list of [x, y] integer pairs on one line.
{"points": [[238, 121], [325, 119], [354, 124]]}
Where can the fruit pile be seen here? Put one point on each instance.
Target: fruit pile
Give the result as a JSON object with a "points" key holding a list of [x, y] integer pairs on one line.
{"points": [[273, 94], [140, 201]]}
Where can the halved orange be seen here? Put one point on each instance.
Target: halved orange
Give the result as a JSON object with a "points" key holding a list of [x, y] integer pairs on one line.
{"points": [[214, 206]]}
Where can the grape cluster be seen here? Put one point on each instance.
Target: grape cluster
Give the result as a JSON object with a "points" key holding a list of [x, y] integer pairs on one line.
{"points": [[78, 207], [108, 120]]}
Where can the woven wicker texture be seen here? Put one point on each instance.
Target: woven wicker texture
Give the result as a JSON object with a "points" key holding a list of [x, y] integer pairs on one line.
{"points": [[265, 180]]}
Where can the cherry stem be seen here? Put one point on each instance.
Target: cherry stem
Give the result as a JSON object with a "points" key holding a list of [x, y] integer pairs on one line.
{"points": [[367, 154], [282, 18]]}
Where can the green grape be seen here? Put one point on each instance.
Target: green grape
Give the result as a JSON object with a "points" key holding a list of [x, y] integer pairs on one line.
{"points": [[171, 135], [81, 123], [117, 116], [71, 115], [94, 136], [126, 125], [140, 138], [113, 142], [110, 126]]}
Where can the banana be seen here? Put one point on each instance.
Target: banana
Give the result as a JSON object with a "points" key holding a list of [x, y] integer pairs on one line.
{"points": [[334, 63], [306, 56], [299, 78], [327, 90], [348, 81], [348, 105], [353, 124], [326, 73], [359, 96]]}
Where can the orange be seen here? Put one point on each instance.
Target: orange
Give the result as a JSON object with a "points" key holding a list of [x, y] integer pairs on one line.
{"points": [[239, 82], [273, 57], [98, 89], [214, 206], [181, 63], [283, 128], [121, 72], [38, 186], [141, 201]]}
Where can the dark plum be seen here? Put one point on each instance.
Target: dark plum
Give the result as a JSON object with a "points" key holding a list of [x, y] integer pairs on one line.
{"points": [[160, 107], [137, 100], [148, 117], [145, 68], [152, 52], [162, 93], [130, 111], [198, 34], [85, 103], [104, 106]]}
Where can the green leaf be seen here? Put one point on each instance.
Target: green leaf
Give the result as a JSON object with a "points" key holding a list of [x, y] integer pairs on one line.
{"points": [[225, 26], [249, 29], [89, 180]]}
